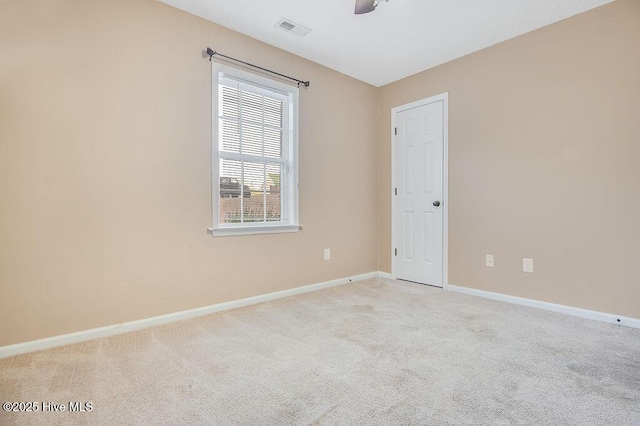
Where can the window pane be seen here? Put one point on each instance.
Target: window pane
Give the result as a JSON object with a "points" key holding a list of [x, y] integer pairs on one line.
{"points": [[254, 179], [252, 107], [273, 197], [230, 191], [273, 111], [272, 143], [251, 139], [254, 176], [230, 140], [229, 102]]}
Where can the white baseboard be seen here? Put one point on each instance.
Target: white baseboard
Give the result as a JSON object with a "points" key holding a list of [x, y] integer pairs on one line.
{"points": [[563, 309], [112, 330], [386, 275]]}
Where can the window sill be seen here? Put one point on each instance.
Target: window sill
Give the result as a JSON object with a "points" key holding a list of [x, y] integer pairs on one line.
{"points": [[253, 230]]}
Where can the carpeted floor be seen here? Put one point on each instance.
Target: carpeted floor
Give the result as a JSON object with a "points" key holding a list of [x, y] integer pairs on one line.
{"points": [[374, 352]]}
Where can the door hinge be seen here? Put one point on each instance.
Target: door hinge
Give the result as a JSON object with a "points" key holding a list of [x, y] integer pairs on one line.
{"points": [[396, 251], [396, 131], [396, 191]]}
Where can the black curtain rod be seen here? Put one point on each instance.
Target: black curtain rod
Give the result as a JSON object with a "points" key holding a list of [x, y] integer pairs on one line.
{"points": [[213, 53]]}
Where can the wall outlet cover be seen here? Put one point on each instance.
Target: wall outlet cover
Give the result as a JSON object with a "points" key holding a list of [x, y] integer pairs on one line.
{"points": [[489, 261]]}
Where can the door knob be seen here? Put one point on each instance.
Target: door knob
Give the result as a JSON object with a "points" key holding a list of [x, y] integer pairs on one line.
{"points": [[436, 203]]}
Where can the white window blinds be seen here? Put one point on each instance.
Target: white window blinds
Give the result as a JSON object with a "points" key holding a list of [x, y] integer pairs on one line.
{"points": [[254, 132]]}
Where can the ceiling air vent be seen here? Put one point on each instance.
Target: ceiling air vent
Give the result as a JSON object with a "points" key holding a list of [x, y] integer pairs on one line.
{"points": [[291, 27]]}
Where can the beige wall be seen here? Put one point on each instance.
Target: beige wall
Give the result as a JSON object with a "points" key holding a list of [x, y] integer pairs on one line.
{"points": [[544, 161], [105, 169], [105, 166]]}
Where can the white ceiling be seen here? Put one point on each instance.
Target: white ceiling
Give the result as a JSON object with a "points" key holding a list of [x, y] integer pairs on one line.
{"points": [[398, 39]]}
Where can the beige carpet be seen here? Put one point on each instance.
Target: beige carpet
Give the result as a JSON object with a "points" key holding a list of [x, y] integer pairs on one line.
{"points": [[375, 352]]}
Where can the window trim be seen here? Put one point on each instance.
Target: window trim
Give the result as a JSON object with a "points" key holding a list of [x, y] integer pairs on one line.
{"points": [[292, 197]]}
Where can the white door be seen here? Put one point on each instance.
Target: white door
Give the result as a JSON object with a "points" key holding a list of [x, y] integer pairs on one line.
{"points": [[420, 188]]}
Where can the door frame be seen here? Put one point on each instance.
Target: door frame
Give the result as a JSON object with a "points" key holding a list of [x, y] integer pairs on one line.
{"points": [[444, 97]]}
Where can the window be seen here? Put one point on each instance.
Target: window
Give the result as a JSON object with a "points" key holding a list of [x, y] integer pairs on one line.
{"points": [[255, 154]]}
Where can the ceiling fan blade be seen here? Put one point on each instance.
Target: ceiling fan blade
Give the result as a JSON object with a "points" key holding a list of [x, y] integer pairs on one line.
{"points": [[365, 6]]}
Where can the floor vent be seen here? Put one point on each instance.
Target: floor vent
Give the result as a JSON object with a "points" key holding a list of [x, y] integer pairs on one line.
{"points": [[291, 27]]}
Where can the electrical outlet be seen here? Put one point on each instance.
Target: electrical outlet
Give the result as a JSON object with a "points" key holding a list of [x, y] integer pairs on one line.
{"points": [[327, 254], [527, 265], [489, 261]]}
